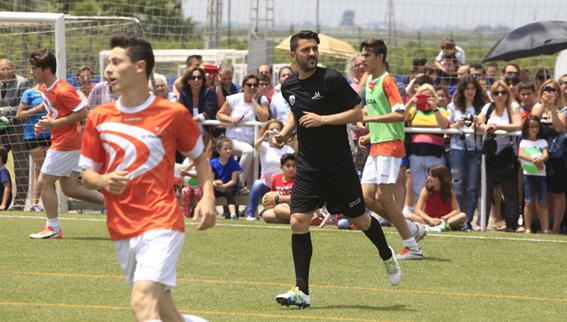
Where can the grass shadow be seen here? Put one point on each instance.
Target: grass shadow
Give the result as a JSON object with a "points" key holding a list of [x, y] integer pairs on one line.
{"points": [[436, 259], [87, 238], [390, 308]]}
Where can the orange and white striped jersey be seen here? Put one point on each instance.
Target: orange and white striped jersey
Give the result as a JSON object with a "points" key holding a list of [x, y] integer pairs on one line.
{"points": [[142, 141], [60, 100]]}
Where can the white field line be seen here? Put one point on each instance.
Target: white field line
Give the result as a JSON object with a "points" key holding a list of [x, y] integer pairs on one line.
{"points": [[190, 223]]}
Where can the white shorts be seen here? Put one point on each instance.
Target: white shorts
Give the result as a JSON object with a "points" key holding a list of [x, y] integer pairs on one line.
{"points": [[61, 163], [381, 170], [151, 256]]}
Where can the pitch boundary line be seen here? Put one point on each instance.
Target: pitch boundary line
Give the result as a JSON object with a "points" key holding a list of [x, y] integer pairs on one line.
{"points": [[200, 312], [320, 286], [189, 223]]}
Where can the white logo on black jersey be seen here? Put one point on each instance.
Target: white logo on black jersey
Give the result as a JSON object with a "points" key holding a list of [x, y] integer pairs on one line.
{"points": [[291, 100], [317, 96]]}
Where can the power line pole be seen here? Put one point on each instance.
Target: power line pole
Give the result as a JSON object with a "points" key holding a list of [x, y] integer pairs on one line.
{"points": [[391, 21], [214, 19]]}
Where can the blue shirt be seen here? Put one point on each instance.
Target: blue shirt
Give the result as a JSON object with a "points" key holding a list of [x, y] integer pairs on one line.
{"points": [[224, 172], [5, 177], [32, 98]]}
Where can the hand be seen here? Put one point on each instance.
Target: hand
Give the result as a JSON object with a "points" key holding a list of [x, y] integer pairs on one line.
{"points": [[206, 212], [278, 139], [490, 128], [459, 124], [115, 182], [47, 122], [236, 120], [361, 126], [363, 141], [435, 221], [310, 119], [269, 199], [538, 163]]}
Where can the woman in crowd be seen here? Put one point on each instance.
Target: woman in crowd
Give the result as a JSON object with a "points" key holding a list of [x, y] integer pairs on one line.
{"points": [[200, 101], [356, 73], [247, 105], [553, 123], [31, 111], [502, 164], [465, 152], [279, 108], [162, 90]]}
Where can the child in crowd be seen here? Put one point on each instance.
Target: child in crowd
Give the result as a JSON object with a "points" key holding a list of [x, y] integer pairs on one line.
{"points": [[270, 156], [280, 194], [189, 184], [533, 154], [437, 207], [5, 180], [226, 171]]}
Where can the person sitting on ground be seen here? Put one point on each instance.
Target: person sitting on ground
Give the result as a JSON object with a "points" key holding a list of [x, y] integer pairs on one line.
{"points": [[437, 207], [226, 171], [277, 201], [270, 155], [5, 181]]}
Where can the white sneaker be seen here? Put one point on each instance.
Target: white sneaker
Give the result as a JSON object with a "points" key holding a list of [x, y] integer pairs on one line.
{"points": [[294, 297], [421, 232], [249, 218], [408, 253], [393, 269], [46, 233], [192, 318], [233, 216]]}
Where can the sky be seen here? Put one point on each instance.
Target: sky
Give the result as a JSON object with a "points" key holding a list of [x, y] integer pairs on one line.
{"points": [[409, 14]]}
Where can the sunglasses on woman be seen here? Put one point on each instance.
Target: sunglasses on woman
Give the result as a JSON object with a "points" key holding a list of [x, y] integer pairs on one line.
{"points": [[251, 84], [195, 78], [500, 93], [549, 89]]}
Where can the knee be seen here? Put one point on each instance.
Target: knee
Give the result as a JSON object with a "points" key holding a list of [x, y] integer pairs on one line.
{"points": [[143, 305], [299, 223], [361, 222]]}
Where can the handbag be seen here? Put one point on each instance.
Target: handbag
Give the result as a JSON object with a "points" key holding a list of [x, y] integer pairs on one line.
{"points": [[556, 146]]}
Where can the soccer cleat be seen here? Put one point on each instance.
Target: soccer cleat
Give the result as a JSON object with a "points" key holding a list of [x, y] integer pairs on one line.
{"points": [[408, 253], [393, 269], [46, 233], [421, 232], [294, 297]]}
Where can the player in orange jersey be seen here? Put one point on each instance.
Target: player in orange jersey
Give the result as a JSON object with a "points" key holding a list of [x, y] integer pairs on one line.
{"points": [[128, 152], [65, 110]]}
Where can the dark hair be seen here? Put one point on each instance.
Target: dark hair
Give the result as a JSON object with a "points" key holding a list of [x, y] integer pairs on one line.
{"points": [[303, 34], [271, 69], [247, 77], [82, 69], [543, 74], [3, 155], [510, 64], [418, 61], [222, 140], [477, 66], [287, 157], [526, 85], [444, 175], [190, 57], [376, 46], [492, 64], [187, 74], [137, 49], [43, 59], [285, 67], [264, 78], [423, 79], [444, 89], [526, 126], [459, 97]]}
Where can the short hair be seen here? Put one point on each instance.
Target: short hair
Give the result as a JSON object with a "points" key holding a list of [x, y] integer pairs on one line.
{"points": [[376, 46], [190, 57], [264, 78], [222, 140], [249, 76], [492, 64], [423, 79], [43, 59], [418, 61], [270, 66], [527, 84], [136, 49], [227, 68], [303, 34], [287, 157], [477, 66], [510, 64], [3, 155], [447, 42], [284, 68], [82, 69]]}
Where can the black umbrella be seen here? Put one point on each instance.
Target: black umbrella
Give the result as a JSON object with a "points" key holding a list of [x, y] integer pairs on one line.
{"points": [[534, 39]]}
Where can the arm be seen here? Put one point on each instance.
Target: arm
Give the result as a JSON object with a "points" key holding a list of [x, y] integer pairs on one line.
{"points": [[47, 122], [523, 156], [223, 114], [442, 120], [314, 120], [393, 117], [258, 142], [262, 110], [515, 124], [287, 129], [5, 195], [558, 120], [233, 180]]}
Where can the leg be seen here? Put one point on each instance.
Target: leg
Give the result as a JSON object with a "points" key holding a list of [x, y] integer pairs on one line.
{"points": [[246, 152], [456, 222], [167, 309], [301, 248], [541, 202], [46, 185], [145, 300], [259, 189], [400, 189], [73, 189], [282, 212], [38, 156], [510, 189], [472, 184], [457, 166], [558, 210], [418, 174]]}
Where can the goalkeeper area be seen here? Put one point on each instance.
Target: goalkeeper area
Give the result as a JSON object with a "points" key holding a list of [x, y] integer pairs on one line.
{"points": [[234, 271]]}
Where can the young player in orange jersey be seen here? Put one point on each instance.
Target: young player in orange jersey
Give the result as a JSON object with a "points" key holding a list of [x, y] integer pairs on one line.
{"points": [[128, 152], [65, 110]]}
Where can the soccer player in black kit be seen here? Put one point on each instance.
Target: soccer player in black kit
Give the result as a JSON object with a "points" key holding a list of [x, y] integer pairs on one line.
{"points": [[322, 103]]}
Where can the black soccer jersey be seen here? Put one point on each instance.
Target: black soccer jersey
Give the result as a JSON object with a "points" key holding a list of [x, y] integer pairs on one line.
{"points": [[323, 148]]}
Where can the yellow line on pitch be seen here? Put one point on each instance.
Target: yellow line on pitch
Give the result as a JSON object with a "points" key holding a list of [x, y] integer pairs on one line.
{"points": [[322, 286], [239, 314]]}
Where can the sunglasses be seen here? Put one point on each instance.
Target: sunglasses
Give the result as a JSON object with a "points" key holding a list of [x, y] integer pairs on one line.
{"points": [[251, 84], [499, 93], [549, 89], [195, 78]]}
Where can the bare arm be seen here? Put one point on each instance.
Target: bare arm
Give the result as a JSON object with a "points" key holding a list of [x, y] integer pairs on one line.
{"points": [[442, 120], [393, 117], [48, 122], [262, 110], [289, 126], [5, 195], [314, 120], [223, 114], [233, 180], [206, 206]]}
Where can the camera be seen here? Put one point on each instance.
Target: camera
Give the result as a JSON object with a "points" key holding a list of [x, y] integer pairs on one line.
{"points": [[468, 120]]}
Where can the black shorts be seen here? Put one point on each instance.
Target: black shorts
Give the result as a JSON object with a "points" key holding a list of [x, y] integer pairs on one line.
{"points": [[32, 144], [339, 190], [556, 174]]}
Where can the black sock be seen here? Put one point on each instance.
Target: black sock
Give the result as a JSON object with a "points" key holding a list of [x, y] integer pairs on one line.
{"points": [[376, 236], [302, 249]]}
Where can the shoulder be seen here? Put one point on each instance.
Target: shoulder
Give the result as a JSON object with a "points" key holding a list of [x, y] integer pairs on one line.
{"points": [[289, 81], [542, 142], [234, 97], [485, 108], [330, 74], [524, 143]]}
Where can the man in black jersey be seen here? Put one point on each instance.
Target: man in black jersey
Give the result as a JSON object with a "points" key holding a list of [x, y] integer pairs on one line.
{"points": [[322, 103]]}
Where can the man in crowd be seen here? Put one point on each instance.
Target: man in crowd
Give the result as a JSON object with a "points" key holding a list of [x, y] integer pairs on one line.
{"points": [[85, 81], [267, 71], [65, 110], [11, 88]]}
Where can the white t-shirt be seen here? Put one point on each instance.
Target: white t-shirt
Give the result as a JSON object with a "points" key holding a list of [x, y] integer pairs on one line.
{"points": [[244, 111], [455, 114], [533, 149], [459, 54], [279, 108], [501, 140], [270, 158]]}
